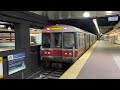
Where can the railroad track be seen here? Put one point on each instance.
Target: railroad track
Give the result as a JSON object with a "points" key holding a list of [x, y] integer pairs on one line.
{"points": [[51, 74]]}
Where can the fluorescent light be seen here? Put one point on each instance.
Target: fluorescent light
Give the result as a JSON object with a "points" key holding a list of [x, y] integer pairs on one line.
{"points": [[95, 22], [48, 28], [2, 26], [9, 28], [86, 14], [4, 22], [108, 12]]}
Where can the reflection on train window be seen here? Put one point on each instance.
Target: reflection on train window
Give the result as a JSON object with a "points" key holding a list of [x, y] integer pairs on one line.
{"points": [[7, 37], [46, 39], [69, 40], [57, 40]]}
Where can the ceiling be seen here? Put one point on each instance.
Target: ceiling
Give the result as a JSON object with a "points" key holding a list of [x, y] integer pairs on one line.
{"points": [[76, 18], [86, 24], [55, 15]]}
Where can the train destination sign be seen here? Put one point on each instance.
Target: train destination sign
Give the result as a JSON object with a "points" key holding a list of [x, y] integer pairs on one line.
{"points": [[56, 28], [16, 63]]}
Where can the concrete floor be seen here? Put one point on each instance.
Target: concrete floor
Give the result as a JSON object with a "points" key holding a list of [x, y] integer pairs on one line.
{"points": [[104, 62]]}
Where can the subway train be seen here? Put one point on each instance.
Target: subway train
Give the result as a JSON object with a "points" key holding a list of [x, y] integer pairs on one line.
{"points": [[65, 43]]}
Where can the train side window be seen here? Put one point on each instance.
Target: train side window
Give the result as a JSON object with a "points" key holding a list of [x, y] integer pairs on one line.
{"points": [[57, 40], [88, 38], [79, 39], [46, 39]]}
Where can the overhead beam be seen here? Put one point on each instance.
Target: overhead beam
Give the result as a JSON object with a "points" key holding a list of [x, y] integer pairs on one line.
{"points": [[25, 15]]}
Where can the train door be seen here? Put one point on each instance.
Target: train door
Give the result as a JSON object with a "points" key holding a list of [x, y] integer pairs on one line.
{"points": [[57, 45], [69, 45]]}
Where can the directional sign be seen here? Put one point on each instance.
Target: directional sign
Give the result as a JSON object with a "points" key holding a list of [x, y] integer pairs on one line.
{"points": [[114, 18]]}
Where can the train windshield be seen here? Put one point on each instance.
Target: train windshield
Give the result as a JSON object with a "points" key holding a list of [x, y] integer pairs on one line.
{"points": [[69, 41], [57, 40], [46, 39]]}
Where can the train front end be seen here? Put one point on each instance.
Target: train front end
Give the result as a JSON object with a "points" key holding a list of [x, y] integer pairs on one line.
{"points": [[58, 45]]}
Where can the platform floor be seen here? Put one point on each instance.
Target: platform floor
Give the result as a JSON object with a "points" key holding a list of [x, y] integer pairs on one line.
{"points": [[103, 63], [6, 48]]}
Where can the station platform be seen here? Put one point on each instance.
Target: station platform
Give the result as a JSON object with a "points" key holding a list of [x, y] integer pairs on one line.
{"points": [[6, 48], [101, 61]]}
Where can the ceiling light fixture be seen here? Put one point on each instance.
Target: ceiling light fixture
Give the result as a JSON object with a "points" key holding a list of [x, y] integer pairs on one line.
{"points": [[2, 26], [9, 28], [86, 14], [95, 22], [108, 12]]}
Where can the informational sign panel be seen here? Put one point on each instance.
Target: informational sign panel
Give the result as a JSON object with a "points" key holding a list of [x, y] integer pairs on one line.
{"points": [[1, 67], [16, 63], [114, 18]]}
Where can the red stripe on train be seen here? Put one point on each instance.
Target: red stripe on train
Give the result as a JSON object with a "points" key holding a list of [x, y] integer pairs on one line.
{"points": [[52, 53], [64, 53]]}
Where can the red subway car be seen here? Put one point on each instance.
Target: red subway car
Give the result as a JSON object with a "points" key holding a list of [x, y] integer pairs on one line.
{"points": [[65, 43]]}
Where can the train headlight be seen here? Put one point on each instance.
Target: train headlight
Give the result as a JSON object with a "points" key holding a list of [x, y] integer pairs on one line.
{"points": [[65, 53], [48, 52]]}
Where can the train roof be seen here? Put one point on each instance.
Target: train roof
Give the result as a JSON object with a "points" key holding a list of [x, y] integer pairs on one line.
{"points": [[89, 33], [64, 28]]}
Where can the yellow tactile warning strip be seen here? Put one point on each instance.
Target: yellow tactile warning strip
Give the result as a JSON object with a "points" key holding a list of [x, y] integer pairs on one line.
{"points": [[0, 60], [1, 76], [75, 69], [1, 67]]}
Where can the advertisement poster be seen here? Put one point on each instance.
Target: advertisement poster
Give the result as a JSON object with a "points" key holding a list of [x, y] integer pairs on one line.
{"points": [[1, 67], [16, 63]]}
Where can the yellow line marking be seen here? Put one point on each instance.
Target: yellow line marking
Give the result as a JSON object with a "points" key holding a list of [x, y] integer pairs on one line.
{"points": [[1, 76], [75, 69], [0, 60]]}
